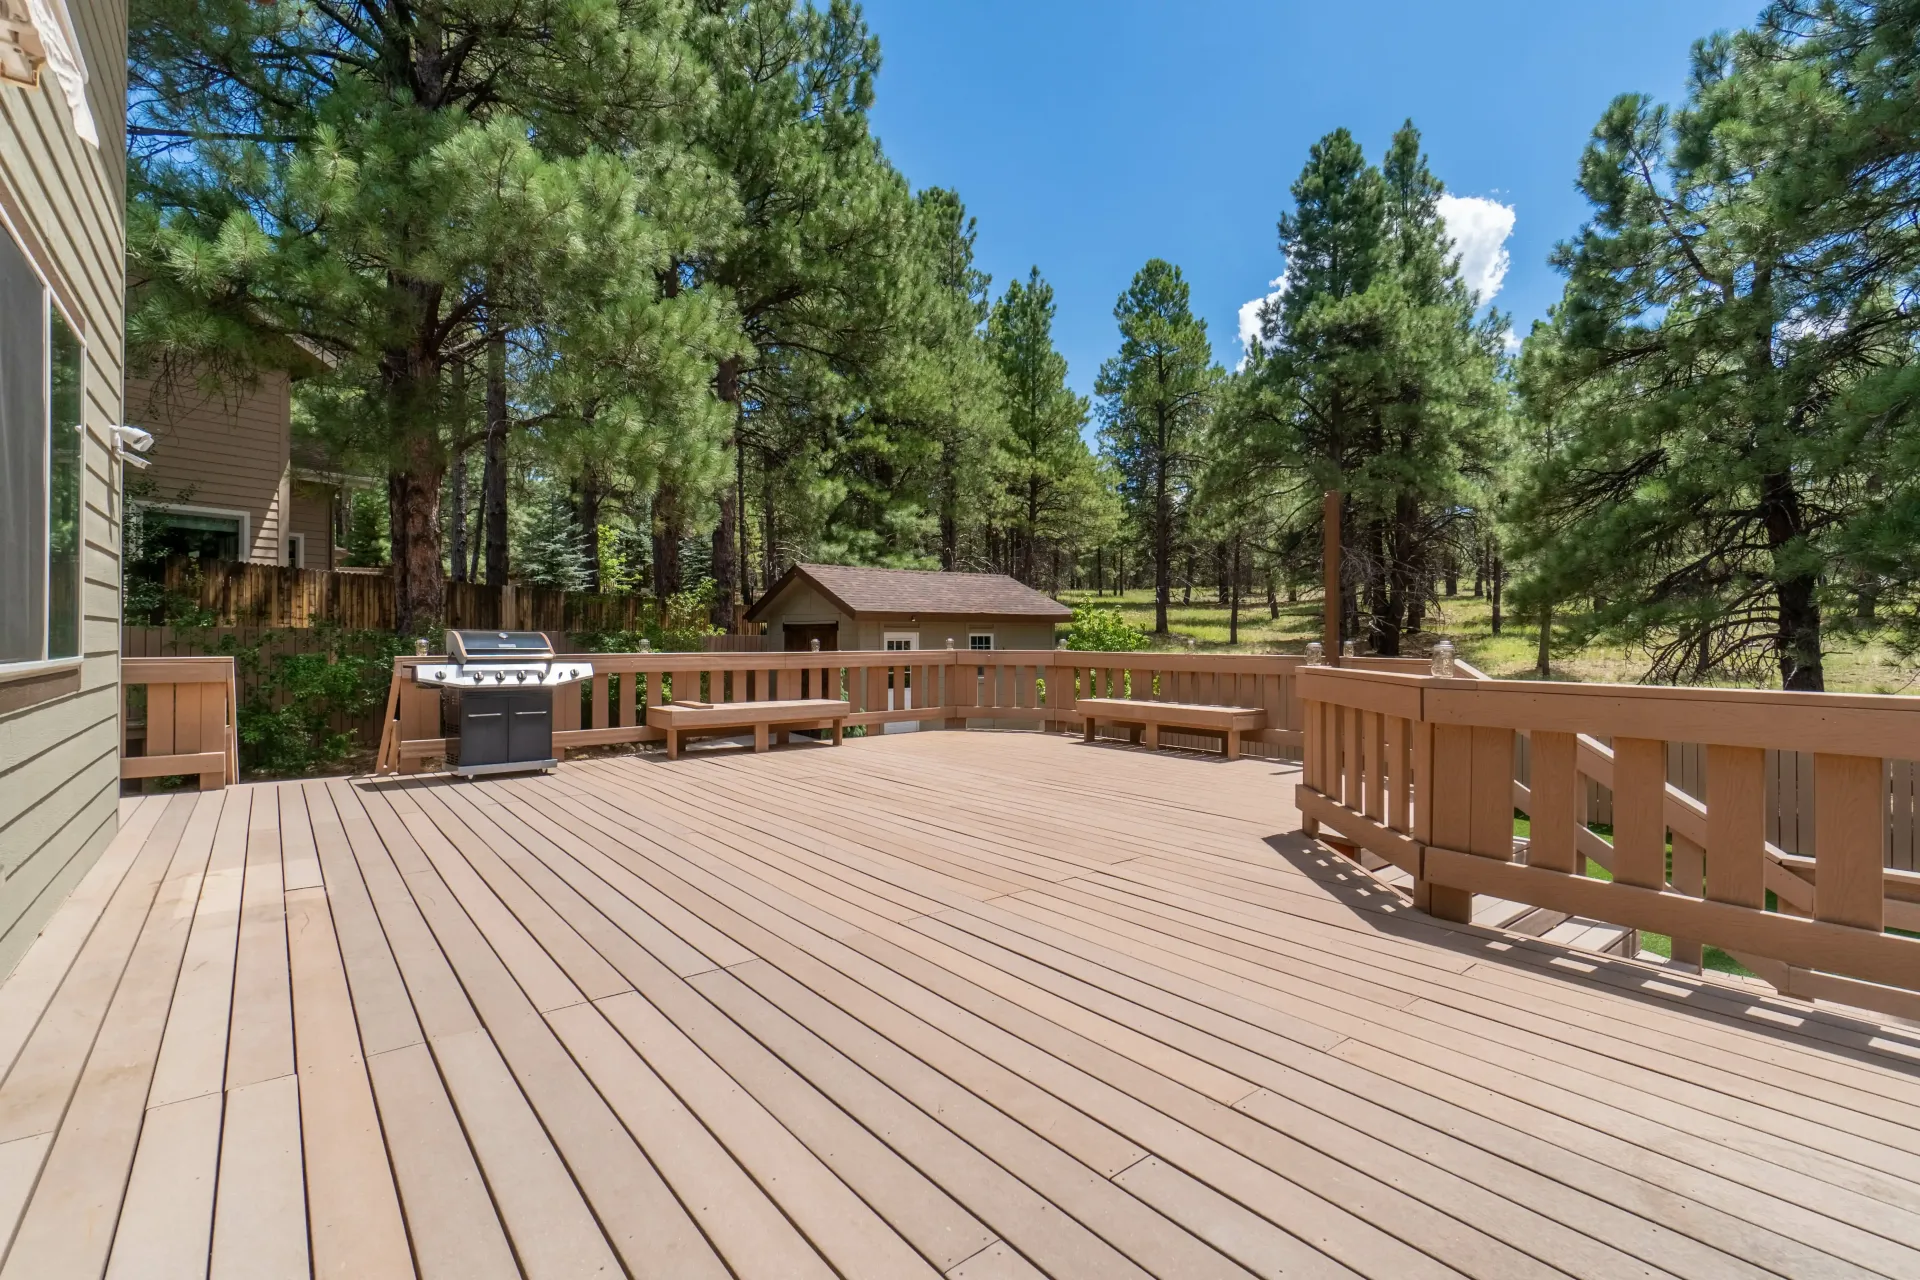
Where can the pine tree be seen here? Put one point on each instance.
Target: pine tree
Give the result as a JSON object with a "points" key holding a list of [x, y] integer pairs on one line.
{"points": [[551, 550], [1156, 395], [1045, 466], [1374, 375], [1730, 375], [373, 182]]}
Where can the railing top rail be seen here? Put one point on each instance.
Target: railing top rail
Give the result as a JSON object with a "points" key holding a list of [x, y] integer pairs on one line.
{"points": [[778, 660], [203, 669], [1885, 725]]}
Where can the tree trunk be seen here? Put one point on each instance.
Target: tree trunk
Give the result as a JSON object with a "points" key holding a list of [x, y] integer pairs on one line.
{"points": [[1797, 641], [1273, 597], [668, 526], [587, 510], [1542, 665], [1496, 578], [493, 486], [723, 541], [1162, 546], [949, 504], [457, 516], [1453, 575], [1233, 594], [413, 514], [1220, 571]]}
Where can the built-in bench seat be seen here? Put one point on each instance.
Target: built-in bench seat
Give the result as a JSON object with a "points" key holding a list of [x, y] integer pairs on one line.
{"points": [[686, 719], [1152, 717]]}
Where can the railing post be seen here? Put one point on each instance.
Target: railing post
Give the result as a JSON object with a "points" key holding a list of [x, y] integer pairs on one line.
{"points": [[1471, 805]]}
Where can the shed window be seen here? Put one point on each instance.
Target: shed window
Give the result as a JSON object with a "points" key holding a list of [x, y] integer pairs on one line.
{"points": [[41, 373], [980, 640]]}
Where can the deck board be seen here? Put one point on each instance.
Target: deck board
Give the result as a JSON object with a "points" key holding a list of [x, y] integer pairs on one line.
{"points": [[985, 1006]]}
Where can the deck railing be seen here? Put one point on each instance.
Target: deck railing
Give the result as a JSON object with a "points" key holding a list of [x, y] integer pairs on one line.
{"points": [[1419, 770], [186, 724], [927, 686]]}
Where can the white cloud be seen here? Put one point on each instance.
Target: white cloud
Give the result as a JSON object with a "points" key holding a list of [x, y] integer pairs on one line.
{"points": [[1250, 316], [1479, 228]]}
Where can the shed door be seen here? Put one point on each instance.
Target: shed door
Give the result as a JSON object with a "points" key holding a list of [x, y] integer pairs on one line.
{"points": [[800, 636]]}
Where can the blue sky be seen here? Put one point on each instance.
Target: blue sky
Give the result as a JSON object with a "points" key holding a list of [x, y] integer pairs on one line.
{"points": [[1089, 136]]}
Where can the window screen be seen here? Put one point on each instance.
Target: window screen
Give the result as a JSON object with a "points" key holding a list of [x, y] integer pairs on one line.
{"points": [[23, 458], [63, 492]]}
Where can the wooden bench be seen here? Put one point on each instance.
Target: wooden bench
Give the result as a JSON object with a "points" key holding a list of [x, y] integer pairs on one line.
{"points": [[684, 720], [1228, 722]]}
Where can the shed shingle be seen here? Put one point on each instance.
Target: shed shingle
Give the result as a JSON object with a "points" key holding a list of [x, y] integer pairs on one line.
{"points": [[861, 591]]}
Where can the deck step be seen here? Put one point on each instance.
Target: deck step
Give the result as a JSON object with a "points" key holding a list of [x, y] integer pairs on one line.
{"points": [[1576, 932]]}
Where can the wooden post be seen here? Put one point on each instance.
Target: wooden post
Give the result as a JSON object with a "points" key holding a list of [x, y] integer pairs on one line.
{"points": [[1330, 555]]}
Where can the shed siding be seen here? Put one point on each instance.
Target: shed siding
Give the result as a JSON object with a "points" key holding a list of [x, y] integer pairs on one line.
{"points": [[59, 759], [801, 603], [225, 449]]}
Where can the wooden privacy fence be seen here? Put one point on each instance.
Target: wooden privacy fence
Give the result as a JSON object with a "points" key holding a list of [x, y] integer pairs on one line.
{"points": [[1420, 771], [238, 593], [181, 713]]}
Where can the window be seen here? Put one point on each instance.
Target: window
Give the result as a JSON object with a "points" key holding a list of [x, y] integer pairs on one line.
{"points": [[198, 533], [296, 551], [41, 376], [980, 640]]}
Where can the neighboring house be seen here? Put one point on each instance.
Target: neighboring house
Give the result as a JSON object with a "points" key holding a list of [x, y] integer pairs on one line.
{"points": [[62, 326], [226, 481], [844, 607]]}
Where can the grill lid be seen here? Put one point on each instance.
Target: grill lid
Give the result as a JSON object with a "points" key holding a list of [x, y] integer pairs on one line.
{"points": [[499, 646]]}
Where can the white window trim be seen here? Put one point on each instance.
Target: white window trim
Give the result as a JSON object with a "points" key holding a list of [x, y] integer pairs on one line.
{"points": [[51, 296], [911, 637], [224, 513], [297, 551], [975, 635]]}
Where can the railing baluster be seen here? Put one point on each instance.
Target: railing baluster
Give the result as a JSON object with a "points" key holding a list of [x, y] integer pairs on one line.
{"points": [[1639, 812], [1374, 732], [1849, 838], [1554, 819], [1736, 825]]}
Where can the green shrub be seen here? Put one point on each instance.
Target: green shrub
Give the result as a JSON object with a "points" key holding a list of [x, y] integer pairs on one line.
{"points": [[1103, 629]]}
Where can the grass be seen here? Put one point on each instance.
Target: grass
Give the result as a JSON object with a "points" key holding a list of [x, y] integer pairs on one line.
{"points": [[1853, 664], [1658, 943]]}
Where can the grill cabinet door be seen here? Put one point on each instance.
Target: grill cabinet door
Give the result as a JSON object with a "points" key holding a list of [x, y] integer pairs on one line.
{"points": [[483, 727], [530, 728]]}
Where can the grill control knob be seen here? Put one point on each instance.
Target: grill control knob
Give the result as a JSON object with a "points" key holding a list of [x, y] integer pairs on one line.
{"points": [[521, 676], [573, 673], [439, 675], [499, 677]]}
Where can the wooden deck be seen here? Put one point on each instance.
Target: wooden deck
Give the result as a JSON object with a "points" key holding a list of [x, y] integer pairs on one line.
{"points": [[984, 1005]]}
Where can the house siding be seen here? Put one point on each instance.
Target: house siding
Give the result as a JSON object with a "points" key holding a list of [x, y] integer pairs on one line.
{"points": [[59, 759], [225, 450], [311, 516]]}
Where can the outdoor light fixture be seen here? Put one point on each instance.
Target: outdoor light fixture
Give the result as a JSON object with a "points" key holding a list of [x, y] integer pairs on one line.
{"points": [[1316, 654], [126, 437], [1443, 659], [1350, 648]]}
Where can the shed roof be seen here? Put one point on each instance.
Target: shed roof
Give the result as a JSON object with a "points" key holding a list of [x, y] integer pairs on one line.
{"points": [[859, 591]]}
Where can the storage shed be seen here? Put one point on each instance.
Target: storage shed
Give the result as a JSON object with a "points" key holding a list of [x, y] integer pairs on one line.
{"points": [[847, 607]]}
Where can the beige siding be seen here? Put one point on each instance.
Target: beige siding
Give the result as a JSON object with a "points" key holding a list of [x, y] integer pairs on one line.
{"points": [[59, 767], [311, 516], [801, 604], [224, 450]]}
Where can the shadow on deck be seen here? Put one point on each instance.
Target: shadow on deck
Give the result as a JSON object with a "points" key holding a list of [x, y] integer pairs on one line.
{"points": [[968, 1004]]}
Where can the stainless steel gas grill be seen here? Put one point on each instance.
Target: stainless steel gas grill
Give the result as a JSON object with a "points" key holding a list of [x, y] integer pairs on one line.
{"points": [[506, 681]]}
